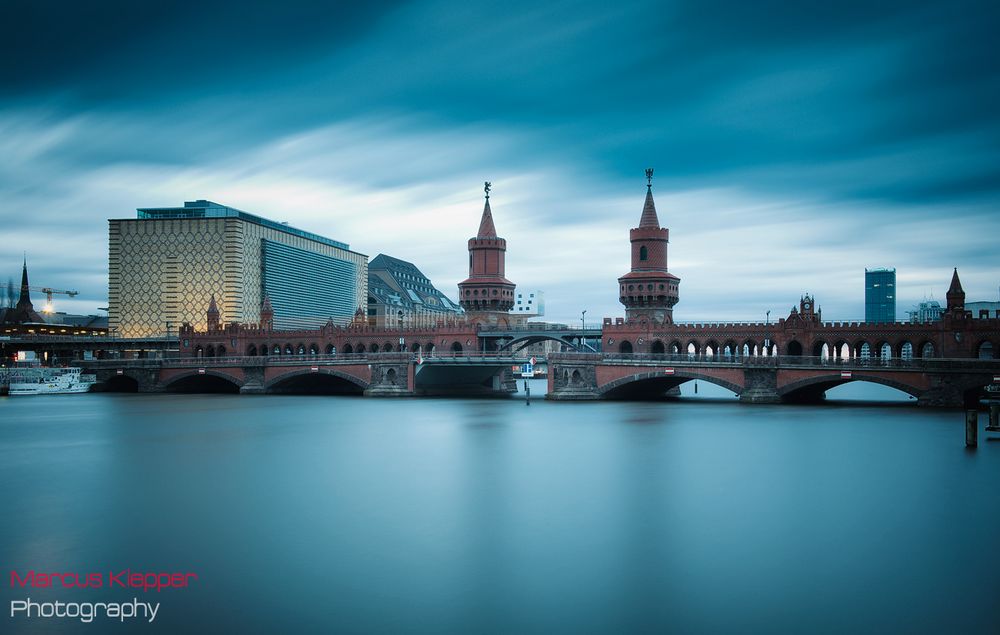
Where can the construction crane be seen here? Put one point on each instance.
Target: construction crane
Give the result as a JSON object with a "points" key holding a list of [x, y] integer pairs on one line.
{"points": [[48, 291]]}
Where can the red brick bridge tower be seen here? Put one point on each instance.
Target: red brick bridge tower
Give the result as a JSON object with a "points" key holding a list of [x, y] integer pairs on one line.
{"points": [[649, 291], [486, 295]]}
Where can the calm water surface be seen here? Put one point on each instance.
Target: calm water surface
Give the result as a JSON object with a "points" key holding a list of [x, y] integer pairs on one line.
{"points": [[338, 514]]}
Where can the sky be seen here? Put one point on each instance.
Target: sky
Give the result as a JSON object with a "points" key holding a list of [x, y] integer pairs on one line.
{"points": [[794, 143]]}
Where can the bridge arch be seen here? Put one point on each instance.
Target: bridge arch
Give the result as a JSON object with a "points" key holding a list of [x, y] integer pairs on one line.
{"points": [[625, 347], [675, 347], [814, 387], [819, 348], [121, 383], [210, 381], [794, 348], [348, 349], [657, 348], [654, 384], [327, 381], [331, 349], [456, 347]]}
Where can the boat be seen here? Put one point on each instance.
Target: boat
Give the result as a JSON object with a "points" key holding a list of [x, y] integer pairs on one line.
{"points": [[49, 381]]}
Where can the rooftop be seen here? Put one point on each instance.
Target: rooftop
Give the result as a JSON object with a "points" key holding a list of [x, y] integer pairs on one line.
{"points": [[209, 209]]}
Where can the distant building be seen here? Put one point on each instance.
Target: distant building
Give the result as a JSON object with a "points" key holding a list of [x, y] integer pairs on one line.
{"points": [[926, 312], [880, 295], [400, 295], [529, 304], [983, 310], [165, 265], [22, 319]]}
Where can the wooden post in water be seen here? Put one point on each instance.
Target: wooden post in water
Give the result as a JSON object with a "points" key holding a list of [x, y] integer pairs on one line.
{"points": [[971, 428], [994, 425]]}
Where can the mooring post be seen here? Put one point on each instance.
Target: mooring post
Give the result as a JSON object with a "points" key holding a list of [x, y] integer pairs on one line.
{"points": [[994, 417], [971, 428]]}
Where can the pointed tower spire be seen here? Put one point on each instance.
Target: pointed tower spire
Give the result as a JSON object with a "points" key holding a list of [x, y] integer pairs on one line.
{"points": [[486, 227], [266, 314], [649, 218], [24, 300], [213, 315], [955, 295]]}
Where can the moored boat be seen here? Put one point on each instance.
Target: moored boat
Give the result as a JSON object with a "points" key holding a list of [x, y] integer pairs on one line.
{"points": [[49, 381]]}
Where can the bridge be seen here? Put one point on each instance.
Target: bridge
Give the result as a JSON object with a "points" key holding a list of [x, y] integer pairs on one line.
{"points": [[380, 374], [519, 337], [766, 379]]}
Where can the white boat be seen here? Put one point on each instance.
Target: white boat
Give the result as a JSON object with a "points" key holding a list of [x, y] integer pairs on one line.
{"points": [[49, 381]]}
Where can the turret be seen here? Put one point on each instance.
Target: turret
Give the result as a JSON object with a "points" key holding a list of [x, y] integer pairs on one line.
{"points": [[649, 291], [213, 315], [266, 315], [486, 294]]}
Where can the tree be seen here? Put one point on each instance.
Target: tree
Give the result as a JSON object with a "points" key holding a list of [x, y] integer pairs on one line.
{"points": [[10, 293]]}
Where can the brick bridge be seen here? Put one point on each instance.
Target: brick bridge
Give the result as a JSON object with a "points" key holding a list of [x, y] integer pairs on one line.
{"points": [[776, 379], [372, 374]]}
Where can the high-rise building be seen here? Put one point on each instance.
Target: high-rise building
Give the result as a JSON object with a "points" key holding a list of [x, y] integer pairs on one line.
{"points": [[401, 296], [165, 265], [880, 295]]}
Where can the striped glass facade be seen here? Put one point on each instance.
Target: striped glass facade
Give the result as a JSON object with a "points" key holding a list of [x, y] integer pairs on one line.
{"points": [[880, 295], [306, 288]]}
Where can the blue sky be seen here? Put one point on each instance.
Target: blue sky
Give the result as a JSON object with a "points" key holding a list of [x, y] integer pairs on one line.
{"points": [[794, 143]]}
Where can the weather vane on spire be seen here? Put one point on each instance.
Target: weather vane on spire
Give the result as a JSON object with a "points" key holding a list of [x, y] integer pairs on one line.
{"points": [[649, 177], [486, 188]]}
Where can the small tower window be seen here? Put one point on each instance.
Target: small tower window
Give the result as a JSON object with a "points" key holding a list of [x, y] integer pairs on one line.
{"points": [[643, 254]]}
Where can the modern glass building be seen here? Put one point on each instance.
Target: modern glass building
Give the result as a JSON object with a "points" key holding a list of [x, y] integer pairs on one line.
{"points": [[880, 295], [166, 264]]}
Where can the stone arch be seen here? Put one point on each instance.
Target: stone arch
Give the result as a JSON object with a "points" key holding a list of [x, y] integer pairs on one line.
{"points": [[625, 347], [209, 381], [220, 351], [749, 348], [927, 350], [373, 348], [841, 350], [456, 347], [276, 350], [415, 348], [729, 349], [252, 350], [429, 348], [675, 347], [121, 383], [289, 349], [712, 349], [657, 347], [655, 383], [817, 349], [885, 350], [325, 381], [331, 349], [692, 349], [794, 348], [863, 350], [985, 350], [387, 347], [390, 376], [300, 349], [823, 383], [576, 377], [905, 351], [348, 349], [210, 351]]}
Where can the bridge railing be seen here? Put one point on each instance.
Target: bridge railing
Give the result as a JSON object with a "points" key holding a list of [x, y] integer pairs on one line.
{"points": [[934, 363], [280, 360]]}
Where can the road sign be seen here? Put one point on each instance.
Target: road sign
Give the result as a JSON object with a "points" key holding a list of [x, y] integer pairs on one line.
{"points": [[668, 371], [532, 361], [845, 374], [528, 370]]}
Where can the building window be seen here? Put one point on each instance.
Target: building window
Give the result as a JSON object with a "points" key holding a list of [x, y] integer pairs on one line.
{"points": [[643, 254]]}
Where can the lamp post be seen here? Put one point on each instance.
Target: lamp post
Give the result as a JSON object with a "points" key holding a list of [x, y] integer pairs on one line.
{"points": [[583, 328]]}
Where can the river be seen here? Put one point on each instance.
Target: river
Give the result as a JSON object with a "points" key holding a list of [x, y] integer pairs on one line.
{"points": [[354, 515]]}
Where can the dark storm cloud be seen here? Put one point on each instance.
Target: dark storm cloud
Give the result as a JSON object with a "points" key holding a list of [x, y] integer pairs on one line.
{"points": [[827, 119]]}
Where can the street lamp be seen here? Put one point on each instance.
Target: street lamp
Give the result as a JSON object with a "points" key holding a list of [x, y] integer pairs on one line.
{"points": [[583, 324], [767, 333]]}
